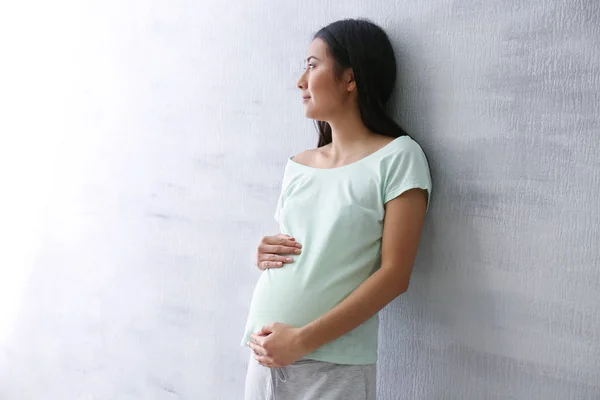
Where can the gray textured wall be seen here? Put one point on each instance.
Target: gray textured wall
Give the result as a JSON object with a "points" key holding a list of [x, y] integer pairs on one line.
{"points": [[180, 117]]}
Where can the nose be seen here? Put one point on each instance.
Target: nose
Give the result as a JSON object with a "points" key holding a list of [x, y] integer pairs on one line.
{"points": [[301, 84]]}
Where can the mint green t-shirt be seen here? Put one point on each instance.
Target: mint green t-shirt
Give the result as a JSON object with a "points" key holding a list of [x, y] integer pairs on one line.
{"points": [[337, 215]]}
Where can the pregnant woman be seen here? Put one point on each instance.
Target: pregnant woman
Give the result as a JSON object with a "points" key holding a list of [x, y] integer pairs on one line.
{"points": [[356, 205]]}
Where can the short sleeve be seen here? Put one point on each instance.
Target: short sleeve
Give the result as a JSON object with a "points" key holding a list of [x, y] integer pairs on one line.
{"points": [[278, 206], [405, 169]]}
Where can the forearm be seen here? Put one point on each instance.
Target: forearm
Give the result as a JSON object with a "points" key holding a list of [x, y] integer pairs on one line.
{"points": [[365, 301]]}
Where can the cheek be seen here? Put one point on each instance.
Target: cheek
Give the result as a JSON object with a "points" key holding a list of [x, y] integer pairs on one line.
{"points": [[319, 85]]}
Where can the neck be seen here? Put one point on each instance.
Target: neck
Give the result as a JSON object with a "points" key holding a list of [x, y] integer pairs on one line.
{"points": [[348, 135]]}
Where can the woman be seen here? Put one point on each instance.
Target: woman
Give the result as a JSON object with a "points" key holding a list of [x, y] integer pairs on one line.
{"points": [[356, 203]]}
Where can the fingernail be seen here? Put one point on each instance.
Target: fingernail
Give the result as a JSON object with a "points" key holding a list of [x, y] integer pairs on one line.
{"points": [[297, 251], [298, 245], [288, 259]]}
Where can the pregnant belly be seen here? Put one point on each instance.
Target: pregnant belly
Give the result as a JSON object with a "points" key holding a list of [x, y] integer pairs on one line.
{"points": [[289, 297]]}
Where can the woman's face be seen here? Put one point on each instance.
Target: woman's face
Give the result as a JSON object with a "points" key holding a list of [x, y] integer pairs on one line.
{"points": [[326, 96]]}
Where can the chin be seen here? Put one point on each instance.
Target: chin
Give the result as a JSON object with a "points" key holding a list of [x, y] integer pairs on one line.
{"points": [[309, 114]]}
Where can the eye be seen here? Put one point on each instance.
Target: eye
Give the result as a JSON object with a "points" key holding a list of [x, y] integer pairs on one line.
{"points": [[310, 65]]}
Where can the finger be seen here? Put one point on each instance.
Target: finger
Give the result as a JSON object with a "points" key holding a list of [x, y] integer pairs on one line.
{"points": [[273, 259], [276, 250], [265, 330], [264, 360], [258, 350], [286, 236], [280, 241], [254, 337], [261, 363], [269, 264], [279, 249]]}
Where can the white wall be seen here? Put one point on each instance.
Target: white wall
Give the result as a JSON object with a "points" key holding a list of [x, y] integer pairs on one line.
{"points": [[142, 146]]}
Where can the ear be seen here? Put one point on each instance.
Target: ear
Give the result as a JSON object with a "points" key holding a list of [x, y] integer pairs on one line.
{"points": [[351, 82], [349, 79]]}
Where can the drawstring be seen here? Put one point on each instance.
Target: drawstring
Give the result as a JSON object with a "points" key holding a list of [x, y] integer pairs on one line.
{"points": [[280, 374]]}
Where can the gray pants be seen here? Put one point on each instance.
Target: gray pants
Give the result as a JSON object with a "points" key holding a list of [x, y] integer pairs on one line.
{"points": [[311, 380]]}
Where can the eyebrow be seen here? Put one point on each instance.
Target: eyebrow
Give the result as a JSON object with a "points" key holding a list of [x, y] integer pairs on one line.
{"points": [[309, 57]]}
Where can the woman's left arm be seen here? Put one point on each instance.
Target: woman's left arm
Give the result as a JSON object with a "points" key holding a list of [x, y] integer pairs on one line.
{"points": [[403, 223]]}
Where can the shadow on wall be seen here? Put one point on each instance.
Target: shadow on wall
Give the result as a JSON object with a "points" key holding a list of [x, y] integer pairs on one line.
{"points": [[447, 306]]}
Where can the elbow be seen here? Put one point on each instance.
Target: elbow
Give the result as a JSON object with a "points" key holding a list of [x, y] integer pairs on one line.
{"points": [[397, 283], [404, 283], [402, 289], [399, 288]]}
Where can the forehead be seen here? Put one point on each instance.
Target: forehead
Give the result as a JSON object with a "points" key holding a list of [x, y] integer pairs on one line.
{"points": [[317, 48]]}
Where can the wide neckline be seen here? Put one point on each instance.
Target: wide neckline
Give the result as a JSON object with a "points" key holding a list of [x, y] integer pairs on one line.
{"points": [[380, 150]]}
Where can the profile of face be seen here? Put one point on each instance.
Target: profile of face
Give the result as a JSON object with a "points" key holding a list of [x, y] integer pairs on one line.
{"points": [[326, 96]]}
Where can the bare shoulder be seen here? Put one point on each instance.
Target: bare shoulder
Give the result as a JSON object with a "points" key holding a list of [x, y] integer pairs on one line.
{"points": [[383, 140], [306, 157]]}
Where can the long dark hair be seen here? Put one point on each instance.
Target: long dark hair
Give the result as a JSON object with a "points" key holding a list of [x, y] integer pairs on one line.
{"points": [[365, 47]]}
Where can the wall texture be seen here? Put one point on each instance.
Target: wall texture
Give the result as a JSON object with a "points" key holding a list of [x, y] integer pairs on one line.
{"points": [[181, 116]]}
